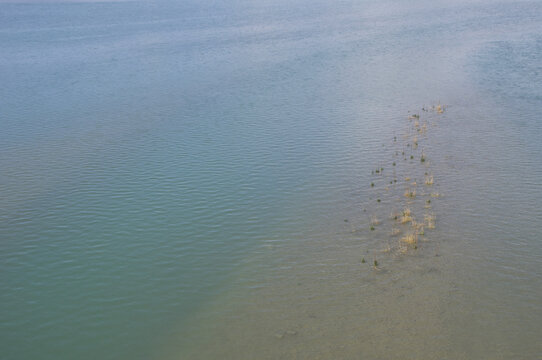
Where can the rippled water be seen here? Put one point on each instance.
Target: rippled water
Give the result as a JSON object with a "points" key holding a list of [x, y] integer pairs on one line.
{"points": [[193, 180]]}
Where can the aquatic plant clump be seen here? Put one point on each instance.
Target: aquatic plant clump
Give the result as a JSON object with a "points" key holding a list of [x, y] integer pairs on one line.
{"points": [[409, 193], [404, 225], [406, 216], [410, 239]]}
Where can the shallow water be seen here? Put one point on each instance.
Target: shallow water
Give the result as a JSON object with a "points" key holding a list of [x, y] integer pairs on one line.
{"points": [[175, 180]]}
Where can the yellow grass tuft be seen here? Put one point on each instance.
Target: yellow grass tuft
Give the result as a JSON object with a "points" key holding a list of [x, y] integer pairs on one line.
{"points": [[410, 239], [406, 216], [423, 129], [409, 193], [374, 220], [430, 220], [429, 180]]}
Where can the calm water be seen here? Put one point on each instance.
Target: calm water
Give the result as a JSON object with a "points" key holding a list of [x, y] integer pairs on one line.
{"points": [[192, 181]]}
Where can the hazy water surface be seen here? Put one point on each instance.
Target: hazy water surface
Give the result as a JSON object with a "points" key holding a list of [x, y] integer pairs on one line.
{"points": [[186, 180]]}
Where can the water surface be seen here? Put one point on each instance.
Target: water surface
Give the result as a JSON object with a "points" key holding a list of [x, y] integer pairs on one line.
{"points": [[175, 179]]}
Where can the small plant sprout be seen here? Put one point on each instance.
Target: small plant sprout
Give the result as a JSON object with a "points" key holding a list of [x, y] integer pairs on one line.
{"points": [[429, 180], [394, 163], [411, 157], [375, 263], [406, 216], [363, 260], [372, 228], [422, 159], [378, 200], [372, 184], [418, 228], [427, 204], [377, 171]]}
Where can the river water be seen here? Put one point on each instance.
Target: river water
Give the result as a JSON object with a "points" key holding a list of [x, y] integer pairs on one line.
{"points": [[182, 180]]}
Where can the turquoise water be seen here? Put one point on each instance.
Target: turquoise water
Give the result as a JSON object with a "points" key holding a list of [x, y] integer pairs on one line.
{"points": [[175, 179]]}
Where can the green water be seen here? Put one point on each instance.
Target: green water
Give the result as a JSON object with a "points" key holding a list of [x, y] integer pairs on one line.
{"points": [[175, 180]]}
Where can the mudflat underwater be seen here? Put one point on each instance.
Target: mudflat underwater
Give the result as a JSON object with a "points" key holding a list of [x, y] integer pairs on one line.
{"points": [[271, 179]]}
